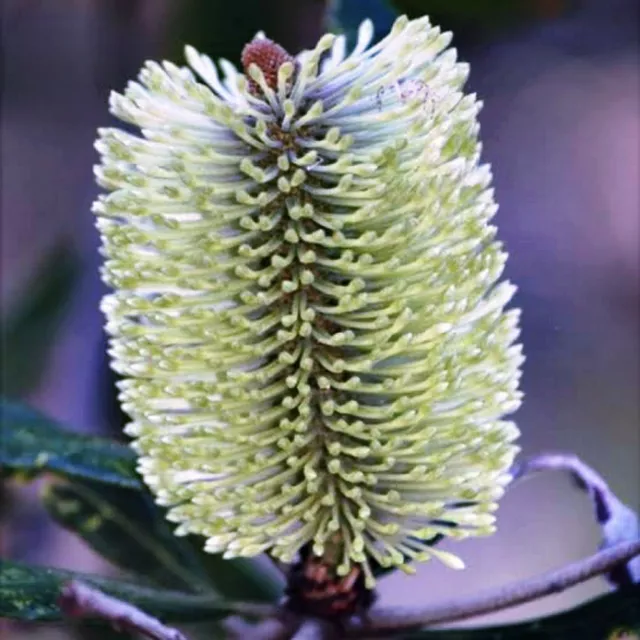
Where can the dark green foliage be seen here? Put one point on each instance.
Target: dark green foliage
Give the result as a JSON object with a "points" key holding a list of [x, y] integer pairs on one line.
{"points": [[476, 19], [479, 11], [130, 531], [104, 501], [31, 593], [32, 444], [28, 328], [126, 528], [239, 578], [219, 29], [346, 16]]}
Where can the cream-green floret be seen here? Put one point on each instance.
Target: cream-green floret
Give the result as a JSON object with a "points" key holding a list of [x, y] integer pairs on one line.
{"points": [[307, 304]]}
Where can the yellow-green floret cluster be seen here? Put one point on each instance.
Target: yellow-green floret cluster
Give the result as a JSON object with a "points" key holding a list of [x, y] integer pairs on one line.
{"points": [[307, 309]]}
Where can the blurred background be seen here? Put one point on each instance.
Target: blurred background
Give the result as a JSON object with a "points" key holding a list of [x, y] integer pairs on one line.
{"points": [[560, 83]]}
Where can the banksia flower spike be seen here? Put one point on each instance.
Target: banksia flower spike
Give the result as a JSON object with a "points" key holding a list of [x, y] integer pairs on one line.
{"points": [[307, 310]]}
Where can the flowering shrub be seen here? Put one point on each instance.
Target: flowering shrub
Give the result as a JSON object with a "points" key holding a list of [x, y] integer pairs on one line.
{"points": [[307, 306]]}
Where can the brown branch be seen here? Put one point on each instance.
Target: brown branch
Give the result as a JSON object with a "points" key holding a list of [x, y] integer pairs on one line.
{"points": [[79, 600], [402, 619]]}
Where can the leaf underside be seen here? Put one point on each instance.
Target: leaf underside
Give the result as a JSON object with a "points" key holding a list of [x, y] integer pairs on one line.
{"points": [[103, 500], [32, 444]]}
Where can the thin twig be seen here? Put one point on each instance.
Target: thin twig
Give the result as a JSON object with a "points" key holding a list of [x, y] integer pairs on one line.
{"points": [[313, 630], [402, 619], [582, 473], [79, 600], [269, 629], [618, 522], [236, 627]]}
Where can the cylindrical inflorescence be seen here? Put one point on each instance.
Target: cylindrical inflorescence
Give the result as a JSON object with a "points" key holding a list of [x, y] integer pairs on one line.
{"points": [[307, 307]]}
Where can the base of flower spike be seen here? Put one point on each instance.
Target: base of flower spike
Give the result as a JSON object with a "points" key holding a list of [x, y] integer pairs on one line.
{"points": [[314, 589]]}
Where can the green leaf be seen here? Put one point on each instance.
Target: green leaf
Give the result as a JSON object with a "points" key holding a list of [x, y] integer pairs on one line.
{"points": [[239, 578], [31, 444], [29, 327], [107, 516], [478, 18], [219, 29], [129, 530], [598, 619], [31, 593], [346, 16]]}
